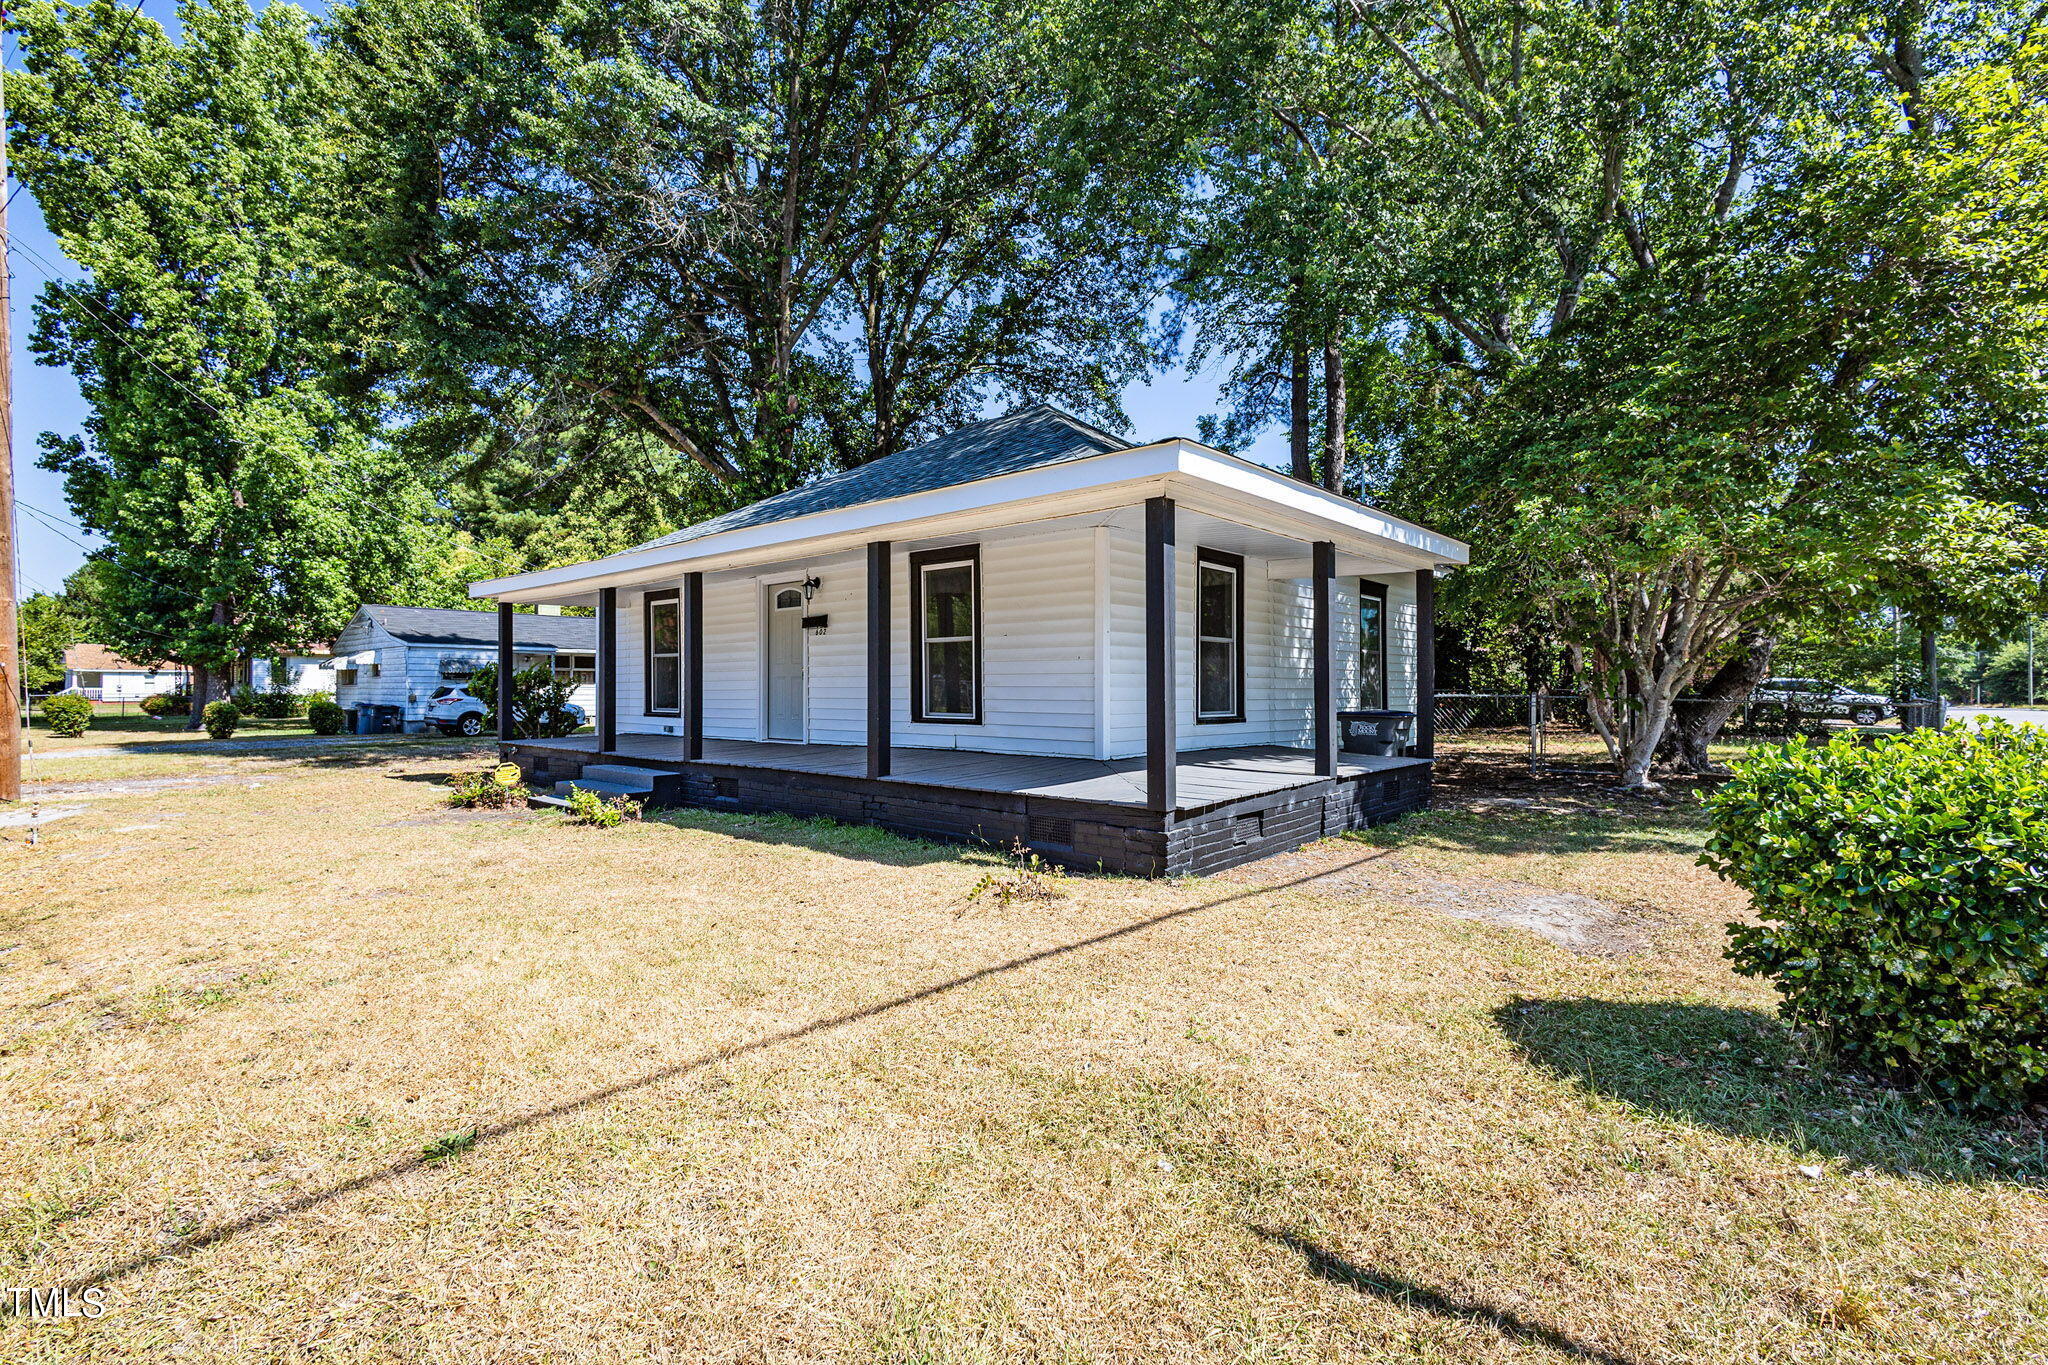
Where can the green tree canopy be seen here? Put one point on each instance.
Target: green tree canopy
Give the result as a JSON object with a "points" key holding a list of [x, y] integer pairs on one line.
{"points": [[229, 457]]}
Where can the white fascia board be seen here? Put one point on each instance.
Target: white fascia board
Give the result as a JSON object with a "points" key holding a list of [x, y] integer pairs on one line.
{"points": [[1282, 493], [1114, 479], [921, 514]]}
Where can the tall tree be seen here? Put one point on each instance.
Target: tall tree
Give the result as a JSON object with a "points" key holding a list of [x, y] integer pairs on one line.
{"points": [[771, 238], [1817, 393], [227, 458]]}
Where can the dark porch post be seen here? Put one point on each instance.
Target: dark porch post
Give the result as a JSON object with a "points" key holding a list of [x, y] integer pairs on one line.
{"points": [[504, 671], [607, 669], [1161, 702], [693, 666], [1324, 596], [878, 659], [1425, 663]]}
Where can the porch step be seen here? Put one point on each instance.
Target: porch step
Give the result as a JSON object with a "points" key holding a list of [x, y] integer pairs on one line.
{"points": [[603, 788], [623, 773]]}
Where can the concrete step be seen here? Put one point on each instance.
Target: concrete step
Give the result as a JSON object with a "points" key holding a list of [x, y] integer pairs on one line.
{"points": [[625, 774], [604, 788]]}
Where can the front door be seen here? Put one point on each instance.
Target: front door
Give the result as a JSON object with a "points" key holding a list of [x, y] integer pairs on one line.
{"points": [[785, 663]]}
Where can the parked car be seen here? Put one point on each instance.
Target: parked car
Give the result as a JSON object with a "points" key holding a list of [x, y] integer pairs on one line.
{"points": [[1811, 697], [457, 711]]}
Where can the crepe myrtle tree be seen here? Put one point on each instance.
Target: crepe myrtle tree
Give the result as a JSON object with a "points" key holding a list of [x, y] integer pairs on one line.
{"points": [[1827, 396]]}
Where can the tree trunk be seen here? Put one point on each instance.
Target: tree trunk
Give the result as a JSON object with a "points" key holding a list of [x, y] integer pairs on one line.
{"points": [[1697, 724], [202, 693], [1298, 386], [1333, 413]]}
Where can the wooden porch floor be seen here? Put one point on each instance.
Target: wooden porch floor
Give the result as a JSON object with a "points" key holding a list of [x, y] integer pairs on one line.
{"points": [[1204, 778]]}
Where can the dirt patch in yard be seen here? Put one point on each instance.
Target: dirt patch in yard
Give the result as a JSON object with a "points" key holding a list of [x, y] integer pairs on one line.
{"points": [[1581, 923]]}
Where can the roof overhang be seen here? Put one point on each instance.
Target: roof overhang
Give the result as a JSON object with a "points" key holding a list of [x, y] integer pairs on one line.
{"points": [[1197, 476]]}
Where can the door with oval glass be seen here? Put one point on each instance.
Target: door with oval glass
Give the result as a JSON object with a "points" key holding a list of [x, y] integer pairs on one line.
{"points": [[785, 655]]}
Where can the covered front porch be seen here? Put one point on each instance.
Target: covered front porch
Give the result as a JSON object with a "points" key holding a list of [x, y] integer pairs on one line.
{"points": [[1230, 804]]}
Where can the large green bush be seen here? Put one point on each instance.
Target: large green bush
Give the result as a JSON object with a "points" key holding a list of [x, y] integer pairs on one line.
{"points": [[1903, 892], [67, 715], [325, 715], [220, 719], [539, 701]]}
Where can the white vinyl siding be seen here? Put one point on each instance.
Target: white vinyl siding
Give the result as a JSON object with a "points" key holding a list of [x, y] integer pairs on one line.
{"points": [[1061, 602]]}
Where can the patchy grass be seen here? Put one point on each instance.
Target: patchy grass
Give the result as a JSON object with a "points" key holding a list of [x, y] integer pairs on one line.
{"points": [[316, 1069], [124, 732]]}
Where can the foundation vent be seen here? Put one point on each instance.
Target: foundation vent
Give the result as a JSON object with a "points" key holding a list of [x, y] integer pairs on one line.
{"points": [[1050, 830]]}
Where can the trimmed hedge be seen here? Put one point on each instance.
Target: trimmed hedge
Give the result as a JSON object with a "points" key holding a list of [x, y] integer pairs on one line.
{"points": [[1903, 889], [67, 715], [220, 719], [326, 716]]}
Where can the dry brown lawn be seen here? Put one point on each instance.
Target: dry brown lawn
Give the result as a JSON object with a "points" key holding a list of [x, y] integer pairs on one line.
{"points": [[298, 1066]]}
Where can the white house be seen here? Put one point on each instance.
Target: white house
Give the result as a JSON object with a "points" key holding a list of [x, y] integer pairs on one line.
{"points": [[97, 672], [1132, 656], [306, 671], [401, 656]]}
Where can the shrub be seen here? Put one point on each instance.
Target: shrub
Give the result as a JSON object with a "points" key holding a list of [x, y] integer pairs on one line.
{"points": [[595, 808], [536, 692], [1903, 889], [158, 704], [276, 704], [244, 698], [326, 716], [220, 719], [488, 788], [67, 715]]}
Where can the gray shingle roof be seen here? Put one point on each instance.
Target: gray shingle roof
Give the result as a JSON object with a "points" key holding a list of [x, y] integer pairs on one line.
{"points": [[453, 626], [1025, 439]]}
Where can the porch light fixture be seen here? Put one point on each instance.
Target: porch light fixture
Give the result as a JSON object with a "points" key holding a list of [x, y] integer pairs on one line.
{"points": [[811, 585]]}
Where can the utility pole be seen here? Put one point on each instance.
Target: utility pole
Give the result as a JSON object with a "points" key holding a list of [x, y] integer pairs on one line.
{"points": [[12, 691]]}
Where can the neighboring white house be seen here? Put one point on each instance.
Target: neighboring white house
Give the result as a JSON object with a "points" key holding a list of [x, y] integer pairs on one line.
{"points": [[1027, 586], [306, 671], [97, 672], [400, 656]]}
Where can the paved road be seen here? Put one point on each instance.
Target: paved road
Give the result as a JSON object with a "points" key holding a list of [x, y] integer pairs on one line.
{"points": [[2018, 715]]}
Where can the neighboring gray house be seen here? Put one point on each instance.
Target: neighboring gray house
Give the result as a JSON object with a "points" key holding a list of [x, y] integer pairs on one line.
{"points": [[1125, 655], [400, 656]]}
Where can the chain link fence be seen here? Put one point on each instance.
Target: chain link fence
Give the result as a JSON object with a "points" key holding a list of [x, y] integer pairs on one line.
{"points": [[1555, 730]]}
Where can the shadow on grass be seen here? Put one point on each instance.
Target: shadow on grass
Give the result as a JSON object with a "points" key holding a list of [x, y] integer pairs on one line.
{"points": [[865, 842], [1744, 1073], [1512, 831], [484, 1133], [1378, 1284]]}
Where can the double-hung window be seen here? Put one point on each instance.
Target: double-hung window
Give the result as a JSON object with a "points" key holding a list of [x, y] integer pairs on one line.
{"points": [[664, 653], [1219, 637], [1372, 646], [945, 613]]}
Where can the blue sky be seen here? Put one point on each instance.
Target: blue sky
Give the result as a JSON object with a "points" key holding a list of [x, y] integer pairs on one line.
{"points": [[46, 399]]}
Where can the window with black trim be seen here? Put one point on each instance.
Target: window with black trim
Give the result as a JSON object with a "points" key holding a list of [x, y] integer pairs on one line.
{"points": [[1219, 637], [1372, 646], [664, 653], [945, 616]]}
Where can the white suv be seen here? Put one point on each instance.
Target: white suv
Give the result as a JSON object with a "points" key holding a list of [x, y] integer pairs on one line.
{"points": [[458, 711]]}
